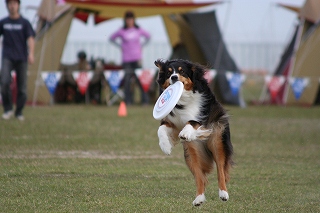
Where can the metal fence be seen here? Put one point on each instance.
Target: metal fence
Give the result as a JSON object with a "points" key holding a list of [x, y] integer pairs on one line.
{"points": [[248, 56], [112, 54], [256, 56]]}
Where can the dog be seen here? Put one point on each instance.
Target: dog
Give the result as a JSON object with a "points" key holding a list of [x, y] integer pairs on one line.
{"points": [[201, 124]]}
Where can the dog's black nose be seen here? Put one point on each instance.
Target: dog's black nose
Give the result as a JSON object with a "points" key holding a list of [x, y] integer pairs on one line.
{"points": [[174, 78]]}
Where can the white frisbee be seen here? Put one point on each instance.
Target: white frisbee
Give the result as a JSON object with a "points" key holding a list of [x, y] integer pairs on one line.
{"points": [[167, 100]]}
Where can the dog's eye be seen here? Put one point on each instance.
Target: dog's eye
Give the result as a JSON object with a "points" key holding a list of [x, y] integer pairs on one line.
{"points": [[168, 74]]}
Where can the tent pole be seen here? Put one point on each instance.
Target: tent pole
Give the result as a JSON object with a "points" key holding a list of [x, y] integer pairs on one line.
{"points": [[292, 61], [44, 45], [263, 92], [35, 94]]}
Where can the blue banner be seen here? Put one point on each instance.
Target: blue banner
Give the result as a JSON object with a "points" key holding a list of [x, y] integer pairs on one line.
{"points": [[51, 80], [114, 79], [235, 82], [298, 85]]}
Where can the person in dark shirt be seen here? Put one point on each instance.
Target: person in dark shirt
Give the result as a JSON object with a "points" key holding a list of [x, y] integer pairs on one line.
{"points": [[17, 51]]}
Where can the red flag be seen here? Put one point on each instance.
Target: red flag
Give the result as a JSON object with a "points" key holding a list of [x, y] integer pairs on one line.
{"points": [[274, 84], [82, 79], [145, 77]]}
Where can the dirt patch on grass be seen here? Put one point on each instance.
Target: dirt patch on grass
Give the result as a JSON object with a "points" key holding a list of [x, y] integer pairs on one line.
{"points": [[78, 154]]}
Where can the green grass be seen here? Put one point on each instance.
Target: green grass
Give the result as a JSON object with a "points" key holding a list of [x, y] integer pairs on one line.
{"points": [[78, 158]]}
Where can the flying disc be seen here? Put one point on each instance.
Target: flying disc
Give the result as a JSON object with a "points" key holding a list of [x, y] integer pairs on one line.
{"points": [[167, 100]]}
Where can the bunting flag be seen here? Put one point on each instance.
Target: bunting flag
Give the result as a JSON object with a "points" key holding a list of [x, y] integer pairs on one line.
{"points": [[235, 81], [82, 79], [209, 75], [114, 79], [51, 80], [274, 84], [145, 77], [298, 85]]}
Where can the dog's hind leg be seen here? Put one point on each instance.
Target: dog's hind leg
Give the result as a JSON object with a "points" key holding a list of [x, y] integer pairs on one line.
{"points": [[222, 169], [199, 168]]}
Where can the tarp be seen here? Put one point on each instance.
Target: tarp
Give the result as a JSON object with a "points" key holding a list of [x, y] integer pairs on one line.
{"points": [[172, 30], [189, 40], [116, 8], [50, 40], [284, 66], [300, 59], [204, 44], [49, 10], [307, 64], [210, 40], [108, 9], [311, 11]]}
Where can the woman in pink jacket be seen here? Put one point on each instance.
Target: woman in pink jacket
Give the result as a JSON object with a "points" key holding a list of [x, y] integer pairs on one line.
{"points": [[130, 42]]}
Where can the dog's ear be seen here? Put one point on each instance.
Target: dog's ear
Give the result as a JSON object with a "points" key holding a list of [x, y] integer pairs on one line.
{"points": [[159, 63], [199, 82], [161, 75]]}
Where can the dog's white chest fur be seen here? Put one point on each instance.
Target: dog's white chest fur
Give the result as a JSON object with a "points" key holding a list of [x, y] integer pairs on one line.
{"points": [[191, 103]]}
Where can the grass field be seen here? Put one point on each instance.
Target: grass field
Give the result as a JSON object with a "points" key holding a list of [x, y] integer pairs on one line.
{"points": [[78, 158]]}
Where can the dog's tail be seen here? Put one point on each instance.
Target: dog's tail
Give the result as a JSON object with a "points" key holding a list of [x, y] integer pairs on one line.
{"points": [[203, 133], [228, 150]]}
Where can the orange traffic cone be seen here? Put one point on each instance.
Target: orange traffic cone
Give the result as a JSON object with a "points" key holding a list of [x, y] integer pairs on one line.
{"points": [[122, 111]]}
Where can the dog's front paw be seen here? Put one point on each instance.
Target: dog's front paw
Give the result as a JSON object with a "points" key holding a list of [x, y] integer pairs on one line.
{"points": [[165, 146], [188, 133], [224, 196], [199, 200], [164, 141]]}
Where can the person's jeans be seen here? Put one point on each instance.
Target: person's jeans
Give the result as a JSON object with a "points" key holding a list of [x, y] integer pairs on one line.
{"points": [[129, 68], [5, 80]]}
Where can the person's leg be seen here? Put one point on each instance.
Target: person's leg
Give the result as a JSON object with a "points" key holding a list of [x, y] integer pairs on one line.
{"points": [[144, 95], [21, 73], [5, 82], [127, 83]]}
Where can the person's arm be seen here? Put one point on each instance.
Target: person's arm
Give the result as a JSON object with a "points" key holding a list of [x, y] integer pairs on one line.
{"points": [[113, 38], [31, 49], [30, 35], [146, 36]]}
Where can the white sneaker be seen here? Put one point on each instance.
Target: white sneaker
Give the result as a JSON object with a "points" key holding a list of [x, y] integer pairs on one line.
{"points": [[7, 115], [20, 117]]}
